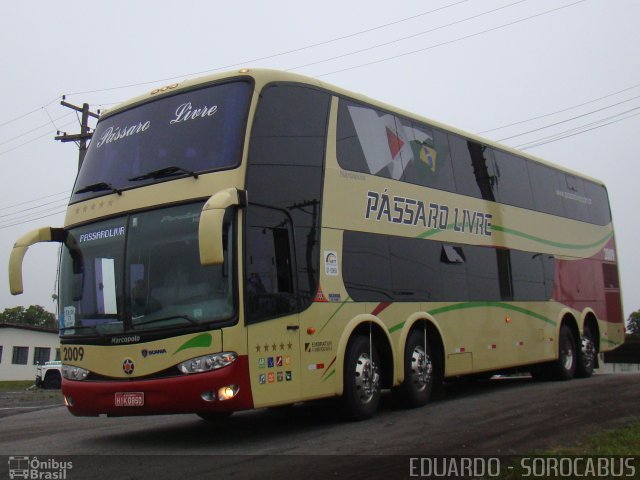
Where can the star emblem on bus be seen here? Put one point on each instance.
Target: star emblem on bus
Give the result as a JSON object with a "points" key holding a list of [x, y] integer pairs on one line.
{"points": [[127, 366]]}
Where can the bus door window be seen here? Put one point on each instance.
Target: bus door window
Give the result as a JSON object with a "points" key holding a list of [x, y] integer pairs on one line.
{"points": [[270, 281]]}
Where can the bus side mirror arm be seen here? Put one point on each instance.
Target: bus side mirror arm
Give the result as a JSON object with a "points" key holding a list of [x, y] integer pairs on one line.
{"points": [[211, 224], [45, 234]]}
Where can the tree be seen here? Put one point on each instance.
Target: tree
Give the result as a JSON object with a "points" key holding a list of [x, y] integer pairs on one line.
{"points": [[34, 315], [633, 323]]}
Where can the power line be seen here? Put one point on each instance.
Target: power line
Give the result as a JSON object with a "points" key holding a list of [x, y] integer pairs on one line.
{"points": [[66, 192], [2, 227], [33, 139], [322, 43], [34, 215], [36, 207], [577, 130], [51, 121], [466, 37], [20, 117], [559, 111], [274, 55], [408, 37], [571, 119]]}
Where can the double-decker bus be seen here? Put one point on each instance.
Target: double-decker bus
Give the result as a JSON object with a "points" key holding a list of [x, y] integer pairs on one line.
{"points": [[259, 238]]}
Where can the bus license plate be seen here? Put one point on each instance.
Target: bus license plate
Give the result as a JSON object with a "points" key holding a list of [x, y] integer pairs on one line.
{"points": [[129, 399]]}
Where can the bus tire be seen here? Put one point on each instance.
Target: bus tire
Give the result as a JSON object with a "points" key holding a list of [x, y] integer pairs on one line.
{"points": [[361, 394], [586, 354], [416, 389], [565, 366], [52, 381]]}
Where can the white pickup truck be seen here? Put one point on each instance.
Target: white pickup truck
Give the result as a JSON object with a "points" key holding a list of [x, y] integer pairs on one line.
{"points": [[48, 375]]}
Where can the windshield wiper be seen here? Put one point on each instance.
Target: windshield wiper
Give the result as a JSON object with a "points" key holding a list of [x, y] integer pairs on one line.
{"points": [[170, 317], [164, 172], [99, 187]]}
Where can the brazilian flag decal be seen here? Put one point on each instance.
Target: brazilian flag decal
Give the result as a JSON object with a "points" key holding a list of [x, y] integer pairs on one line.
{"points": [[425, 157]]}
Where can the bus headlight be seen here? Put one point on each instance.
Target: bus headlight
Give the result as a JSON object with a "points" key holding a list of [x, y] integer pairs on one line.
{"points": [[74, 373], [207, 362]]}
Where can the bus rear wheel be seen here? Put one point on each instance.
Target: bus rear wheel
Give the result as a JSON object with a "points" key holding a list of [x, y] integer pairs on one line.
{"points": [[361, 395], [565, 366], [417, 386], [586, 355]]}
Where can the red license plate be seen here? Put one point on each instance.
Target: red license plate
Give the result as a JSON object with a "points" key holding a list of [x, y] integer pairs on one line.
{"points": [[129, 399]]}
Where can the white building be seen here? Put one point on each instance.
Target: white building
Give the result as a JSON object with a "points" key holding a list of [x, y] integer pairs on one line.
{"points": [[22, 347]]}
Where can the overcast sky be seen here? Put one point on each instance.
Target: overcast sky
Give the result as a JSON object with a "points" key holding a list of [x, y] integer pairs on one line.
{"points": [[566, 71]]}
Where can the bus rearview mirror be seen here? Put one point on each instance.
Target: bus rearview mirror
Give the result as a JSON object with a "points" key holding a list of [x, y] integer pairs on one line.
{"points": [[211, 228], [45, 234]]}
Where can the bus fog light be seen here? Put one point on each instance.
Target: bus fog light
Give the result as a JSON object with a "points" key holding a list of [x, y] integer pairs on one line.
{"points": [[228, 392], [208, 396]]}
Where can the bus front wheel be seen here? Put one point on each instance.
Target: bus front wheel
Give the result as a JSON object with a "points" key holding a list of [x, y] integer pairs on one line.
{"points": [[361, 394]]}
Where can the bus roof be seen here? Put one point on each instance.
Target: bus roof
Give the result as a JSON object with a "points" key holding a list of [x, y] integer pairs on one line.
{"points": [[264, 76]]}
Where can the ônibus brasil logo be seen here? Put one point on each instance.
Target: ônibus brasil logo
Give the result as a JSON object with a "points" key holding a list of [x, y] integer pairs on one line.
{"points": [[34, 468]]}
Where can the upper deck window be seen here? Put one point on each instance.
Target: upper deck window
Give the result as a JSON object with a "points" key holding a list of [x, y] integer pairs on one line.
{"points": [[191, 132]]}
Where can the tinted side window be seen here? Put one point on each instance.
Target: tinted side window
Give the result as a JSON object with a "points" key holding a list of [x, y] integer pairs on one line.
{"points": [[576, 203], [429, 160], [599, 211], [379, 268], [366, 267], [415, 269], [511, 181], [286, 157], [544, 181], [528, 276], [368, 141], [473, 168], [482, 270]]}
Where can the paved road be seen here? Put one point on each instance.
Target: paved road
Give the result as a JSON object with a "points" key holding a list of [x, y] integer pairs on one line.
{"points": [[499, 417]]}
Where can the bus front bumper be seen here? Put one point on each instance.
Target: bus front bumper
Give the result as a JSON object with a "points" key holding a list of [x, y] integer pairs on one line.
{"points": [[224, 390]]}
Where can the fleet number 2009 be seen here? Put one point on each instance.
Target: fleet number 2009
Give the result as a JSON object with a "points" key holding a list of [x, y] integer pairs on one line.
{"points": [[72, 354]]}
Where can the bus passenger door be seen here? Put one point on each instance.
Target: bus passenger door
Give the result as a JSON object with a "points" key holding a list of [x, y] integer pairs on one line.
{"points": [[271, 308]]}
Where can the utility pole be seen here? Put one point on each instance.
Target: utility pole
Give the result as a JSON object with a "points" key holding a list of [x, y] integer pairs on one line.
{"points": [[84, 134]]}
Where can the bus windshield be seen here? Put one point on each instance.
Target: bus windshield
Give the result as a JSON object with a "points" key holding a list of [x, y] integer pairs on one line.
{"points": [[140, 272], [184, 134]]}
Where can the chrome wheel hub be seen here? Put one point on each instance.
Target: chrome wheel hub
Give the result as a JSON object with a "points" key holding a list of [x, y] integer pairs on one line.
{"points": [[367, 378], [588, 352], [567, 356], [421, 368]]}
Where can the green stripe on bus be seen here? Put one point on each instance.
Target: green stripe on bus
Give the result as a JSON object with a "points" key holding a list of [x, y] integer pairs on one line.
{"points": [[334, 314], [611, 342], [329, 375], [466, 305], [510, 231], [203, 340], [576, 246]]}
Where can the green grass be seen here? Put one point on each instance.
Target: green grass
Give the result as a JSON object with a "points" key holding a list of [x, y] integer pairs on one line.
{"points": [[610, 443], [619, 441], [15, 386]]}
